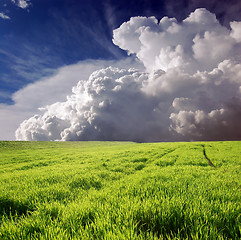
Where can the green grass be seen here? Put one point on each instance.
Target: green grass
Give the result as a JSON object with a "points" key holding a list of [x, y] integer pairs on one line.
{"points": [[120, 190]]}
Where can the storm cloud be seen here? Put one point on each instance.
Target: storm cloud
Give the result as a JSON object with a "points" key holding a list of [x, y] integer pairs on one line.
{"points": [[190, 88]]}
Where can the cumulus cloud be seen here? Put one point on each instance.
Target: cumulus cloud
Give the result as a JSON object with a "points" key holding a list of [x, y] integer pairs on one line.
{"points": [[48, 90], [102, 108], [186, 45], [190, 88]]}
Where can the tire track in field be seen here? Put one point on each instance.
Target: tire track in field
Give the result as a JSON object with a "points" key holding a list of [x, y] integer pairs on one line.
{"points": [[205, 155], [162, 164], [168, 152]]}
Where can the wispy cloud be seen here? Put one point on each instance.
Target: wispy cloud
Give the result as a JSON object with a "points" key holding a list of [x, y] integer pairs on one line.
{"points": [[82, 31], [22, 3], [28, 63], [4, 16]]}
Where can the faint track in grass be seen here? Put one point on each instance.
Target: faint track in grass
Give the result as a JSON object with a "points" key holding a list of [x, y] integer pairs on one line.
{"points": [[205, 155], [168, 152], [168, 163]]}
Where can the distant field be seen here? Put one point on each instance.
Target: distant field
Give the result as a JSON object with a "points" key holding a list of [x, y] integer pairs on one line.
{"points": [[120, 190]]}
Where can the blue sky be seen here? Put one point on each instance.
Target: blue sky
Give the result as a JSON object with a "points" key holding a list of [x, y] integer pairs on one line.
{"points": [[47, 34], [38, 37]]}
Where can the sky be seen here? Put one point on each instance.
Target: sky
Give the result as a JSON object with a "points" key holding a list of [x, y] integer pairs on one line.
{"points": [[120, 70]]}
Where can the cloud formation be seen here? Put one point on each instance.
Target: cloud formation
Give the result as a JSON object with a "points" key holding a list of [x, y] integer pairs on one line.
{"points": [[48, 90], [197, 43], [190, 88]]}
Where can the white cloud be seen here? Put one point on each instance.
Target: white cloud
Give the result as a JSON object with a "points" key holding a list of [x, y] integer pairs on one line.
{"points": [[185, 45], [191, 89], [236, 30], [55, 88], [211, 110], [96, 110], [4, 16], [22, 3], [222, 124]]}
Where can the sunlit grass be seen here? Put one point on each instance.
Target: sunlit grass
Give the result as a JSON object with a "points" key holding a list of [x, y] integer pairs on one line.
{"points": [[120, 190]]}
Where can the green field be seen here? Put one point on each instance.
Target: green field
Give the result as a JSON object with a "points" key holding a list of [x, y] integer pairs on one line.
{"points": [[120, 190]]}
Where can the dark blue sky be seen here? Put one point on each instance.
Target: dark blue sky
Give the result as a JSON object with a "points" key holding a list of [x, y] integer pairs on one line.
{"points": [[39, 37]]}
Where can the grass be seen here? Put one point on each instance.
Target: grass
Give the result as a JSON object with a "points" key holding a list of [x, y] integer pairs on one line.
{"points": [[120, 190]]}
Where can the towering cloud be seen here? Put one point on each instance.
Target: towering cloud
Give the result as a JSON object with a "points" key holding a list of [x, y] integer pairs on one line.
{"points": [[190, 89], [198, 43]]}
